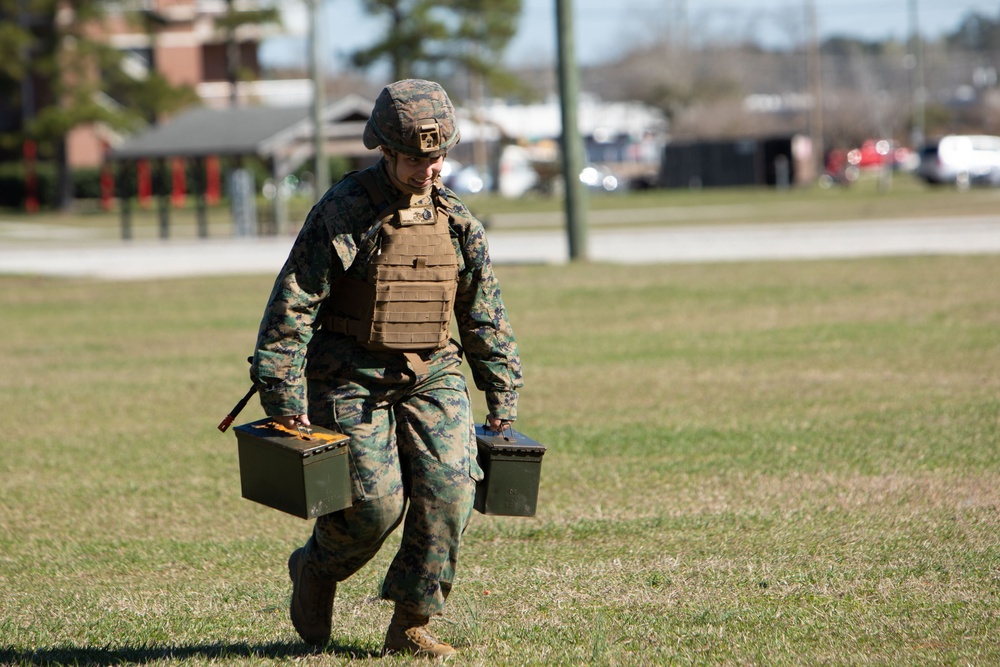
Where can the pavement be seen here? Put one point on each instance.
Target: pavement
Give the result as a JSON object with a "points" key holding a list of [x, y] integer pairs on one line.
{"points": [[70, 253]]}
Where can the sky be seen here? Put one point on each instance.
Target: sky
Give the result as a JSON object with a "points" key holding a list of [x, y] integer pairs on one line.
{"points": [[605, 29]]}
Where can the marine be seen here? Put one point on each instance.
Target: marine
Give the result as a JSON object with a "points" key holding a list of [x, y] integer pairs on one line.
{"points": [[355, 337]]}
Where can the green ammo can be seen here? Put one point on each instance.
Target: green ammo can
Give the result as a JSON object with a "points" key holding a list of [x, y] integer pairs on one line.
{"points": [[304, 473], [512, 463]]}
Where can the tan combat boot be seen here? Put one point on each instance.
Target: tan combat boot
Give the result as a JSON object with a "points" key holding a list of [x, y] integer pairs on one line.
{"points": [[409, 633], [311, 608]]}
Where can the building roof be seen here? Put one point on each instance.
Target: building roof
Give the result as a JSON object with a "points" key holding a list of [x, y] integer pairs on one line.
{"points": [[265, 132], [596, 118]]}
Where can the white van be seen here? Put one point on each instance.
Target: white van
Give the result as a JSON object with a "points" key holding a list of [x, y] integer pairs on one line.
{"points": [[962, 159]]}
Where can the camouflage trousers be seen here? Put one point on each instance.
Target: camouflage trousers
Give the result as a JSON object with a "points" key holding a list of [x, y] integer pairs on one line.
{"points": [[412, 455]]}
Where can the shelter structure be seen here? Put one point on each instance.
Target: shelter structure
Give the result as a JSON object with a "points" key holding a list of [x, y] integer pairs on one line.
{"points": [[281, 137]]}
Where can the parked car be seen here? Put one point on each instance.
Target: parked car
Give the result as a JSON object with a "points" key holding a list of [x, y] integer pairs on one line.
{"points": [[599, 178], [961, 159], [838, 169], [465, 180], [871, 155], [879, 153]]}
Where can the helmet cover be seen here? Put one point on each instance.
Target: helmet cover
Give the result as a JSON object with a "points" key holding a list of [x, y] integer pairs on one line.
{"points": [[414, 117]]}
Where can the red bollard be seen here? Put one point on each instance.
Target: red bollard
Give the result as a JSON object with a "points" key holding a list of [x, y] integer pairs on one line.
{"points": [[178, 194], [145, 183], [30, 178], [213, 188]]}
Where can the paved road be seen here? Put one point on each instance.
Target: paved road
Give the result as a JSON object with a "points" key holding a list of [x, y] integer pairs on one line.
{"points": [[64, 253]]}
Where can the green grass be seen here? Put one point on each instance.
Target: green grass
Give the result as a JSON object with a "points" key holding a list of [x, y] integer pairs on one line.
{"points": [[788, 463]]}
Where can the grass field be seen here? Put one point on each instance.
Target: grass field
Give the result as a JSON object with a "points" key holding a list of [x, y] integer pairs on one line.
{"points": [[749, 464]]}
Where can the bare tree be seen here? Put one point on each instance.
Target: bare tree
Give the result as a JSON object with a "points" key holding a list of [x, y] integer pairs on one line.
{"points": [[717, 82]]}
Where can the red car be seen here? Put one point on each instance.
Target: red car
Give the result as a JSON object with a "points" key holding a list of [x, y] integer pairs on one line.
{"points": [[877, 153]]}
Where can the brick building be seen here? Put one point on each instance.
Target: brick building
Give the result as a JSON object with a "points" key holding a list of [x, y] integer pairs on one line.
{"points": [[184, 41]]}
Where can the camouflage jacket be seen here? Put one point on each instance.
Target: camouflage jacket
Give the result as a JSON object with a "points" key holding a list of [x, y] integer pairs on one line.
{"points": [[326, 248]]}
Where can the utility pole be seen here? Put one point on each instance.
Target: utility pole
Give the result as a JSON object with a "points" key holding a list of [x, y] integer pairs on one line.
{"points": [[477, 84], [321, 170], [816, 89], [29, 147], [680, 27], [27, 85], [572, 145], [919, 93], [232, 55]]}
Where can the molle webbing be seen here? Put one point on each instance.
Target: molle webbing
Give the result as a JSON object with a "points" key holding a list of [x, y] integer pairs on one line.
{"points": [[405, 303]]}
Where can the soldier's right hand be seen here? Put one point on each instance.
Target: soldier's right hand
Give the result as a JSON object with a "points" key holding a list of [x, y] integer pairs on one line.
{"points": [[291, 422]]}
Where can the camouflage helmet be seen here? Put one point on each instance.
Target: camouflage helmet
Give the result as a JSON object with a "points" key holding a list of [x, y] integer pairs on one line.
{"points": [[414, 117]]}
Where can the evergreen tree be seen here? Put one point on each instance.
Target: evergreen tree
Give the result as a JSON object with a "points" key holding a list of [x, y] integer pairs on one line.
{"points": [[480, 37], [427, 36]]}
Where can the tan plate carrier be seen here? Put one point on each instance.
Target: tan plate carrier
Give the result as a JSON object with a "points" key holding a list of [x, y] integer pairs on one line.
{"points": [[406, 300]]}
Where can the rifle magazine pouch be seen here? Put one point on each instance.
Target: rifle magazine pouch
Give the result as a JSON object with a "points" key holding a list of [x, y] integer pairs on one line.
{"points": [[304, 473], [512, 467]]}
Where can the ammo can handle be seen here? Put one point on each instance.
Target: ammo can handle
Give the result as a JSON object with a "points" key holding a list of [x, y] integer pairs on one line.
{"points": [[503, 425]]}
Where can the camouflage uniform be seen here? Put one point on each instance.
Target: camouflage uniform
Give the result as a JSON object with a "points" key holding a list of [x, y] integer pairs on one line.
{"points": [[411, 428]]}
